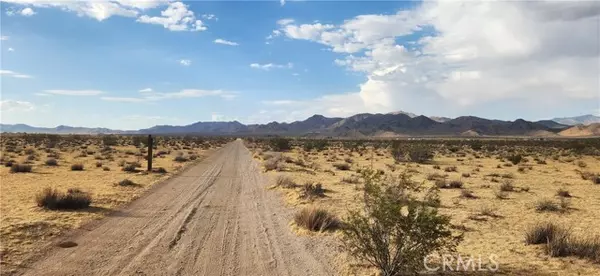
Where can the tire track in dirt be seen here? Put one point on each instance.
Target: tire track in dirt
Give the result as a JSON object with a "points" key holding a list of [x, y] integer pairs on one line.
{"points": [[216, 218]]}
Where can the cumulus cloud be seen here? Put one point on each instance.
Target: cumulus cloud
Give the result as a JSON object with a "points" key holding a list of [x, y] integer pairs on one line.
{"points": [[27, 12], [452, 57], [10, 49], [146, 90], [225, 42], [177, 17], [16, 106], [210, 17], [269, 66], [14, 74]]}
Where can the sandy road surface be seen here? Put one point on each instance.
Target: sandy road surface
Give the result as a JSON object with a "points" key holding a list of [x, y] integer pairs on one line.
{"points": [[216, 218]]}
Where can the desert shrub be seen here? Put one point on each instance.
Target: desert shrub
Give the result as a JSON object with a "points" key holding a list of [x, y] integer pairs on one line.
{"points": [[501, 194], [318, 145], [508, 175], [280, 144], [342, 166], [9, 163], [271, 164], [464, 193], [547, 205], [315, 219], [159, 170], [129, 168], [77, 167], [193, 157], [563, 244], [51, 162], [396, 230], [54, 200], [20, 168], [415, 153], [515, 158], [98, 164], [351, 180], [285, 182], [581, 164], [466, 175], [542, 233], [180, 158], [105, 168], [126, 183], [507, 186], [450, 169], [563, 193], [310, 190], [435, 176]]}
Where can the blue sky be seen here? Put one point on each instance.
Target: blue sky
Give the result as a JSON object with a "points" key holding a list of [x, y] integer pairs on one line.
{"points": [[129, 65]]}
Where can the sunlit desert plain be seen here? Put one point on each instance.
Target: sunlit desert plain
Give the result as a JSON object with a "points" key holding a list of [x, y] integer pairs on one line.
{"points": [[110, 170], [494, 191]]}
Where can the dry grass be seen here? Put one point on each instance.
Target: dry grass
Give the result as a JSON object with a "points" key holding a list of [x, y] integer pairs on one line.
{"points": [[24, 226], [315, 219], [496, 230]]}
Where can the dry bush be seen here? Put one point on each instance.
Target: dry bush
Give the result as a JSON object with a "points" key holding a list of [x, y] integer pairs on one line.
{"points": [[466, 175], [77, 167], [435, 176], [20, 168], [310, 190], [548, 205], [105, 168], [351, 180], [285, 182], [507, 186], [560, 242], [160, 170], [342, 166], [129, 168], [464, 193], [455, 184], [563, 193], [315, 219], [450, 169], [515, 159], [501, 194], [54, 200], [51, 162], [98, 164], [180, 158], [127, 183], [542, 233], [271, 164], [581, 164]]}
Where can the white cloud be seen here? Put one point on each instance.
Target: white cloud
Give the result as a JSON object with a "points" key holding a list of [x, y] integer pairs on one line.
{"points": [[145, 90], [123, 99], [210, 17], [14, 74], [282, 2], [4, 37], [216, 117], [177, 17], [185, 62], [225, 42], [10, 49], [149, 95], [73, 92], [455, 57], [16, 106], [285, 21], [269, 66], [27, 12]]}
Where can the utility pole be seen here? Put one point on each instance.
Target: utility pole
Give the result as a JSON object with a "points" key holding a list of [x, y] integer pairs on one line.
{"points": [[150, 153]]}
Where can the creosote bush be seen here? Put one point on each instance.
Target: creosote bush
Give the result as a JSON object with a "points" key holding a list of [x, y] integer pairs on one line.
{"points": [[316, 219], [55, 200], [77, 167], [310, 190], [395, 230], [127, 183], [51, 162], [20, 168]]}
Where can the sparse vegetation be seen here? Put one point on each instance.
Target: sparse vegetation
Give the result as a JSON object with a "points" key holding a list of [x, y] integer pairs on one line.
{"points": [[77, 167], [316, 219], [55, 200], [20, 168]]}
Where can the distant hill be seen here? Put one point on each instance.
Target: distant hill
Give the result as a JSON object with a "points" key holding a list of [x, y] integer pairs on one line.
{"points": [[579, 120], [22, 128], [581, 130], [396, 124]]}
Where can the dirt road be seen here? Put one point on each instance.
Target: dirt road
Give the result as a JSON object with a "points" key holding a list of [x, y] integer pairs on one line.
{"points": [[216, 218]]}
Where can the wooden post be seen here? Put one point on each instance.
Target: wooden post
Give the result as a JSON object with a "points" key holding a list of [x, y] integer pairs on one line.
{"points": [[150, 153]]}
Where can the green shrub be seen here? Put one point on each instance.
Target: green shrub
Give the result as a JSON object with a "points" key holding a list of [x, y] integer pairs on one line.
{"points": [[515, 158], [395, 230], [280, 144]]}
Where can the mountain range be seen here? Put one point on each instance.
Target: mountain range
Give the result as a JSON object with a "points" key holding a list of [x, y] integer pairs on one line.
{"points": [[360, 125]]}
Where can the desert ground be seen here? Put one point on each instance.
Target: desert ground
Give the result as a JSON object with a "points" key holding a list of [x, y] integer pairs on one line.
{"points": [[226, 206], [26, 227], [493, 205]]}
